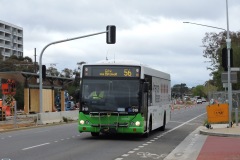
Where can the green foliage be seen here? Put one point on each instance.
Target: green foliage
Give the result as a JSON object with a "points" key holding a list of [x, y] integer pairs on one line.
{"points": [[15, 63], [179, 90], [52, 71], [198, 91], [213, 44]]}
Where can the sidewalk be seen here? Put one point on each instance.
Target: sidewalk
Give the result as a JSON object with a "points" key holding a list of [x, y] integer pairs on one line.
{"points": [[222, 130], [220, 143]]}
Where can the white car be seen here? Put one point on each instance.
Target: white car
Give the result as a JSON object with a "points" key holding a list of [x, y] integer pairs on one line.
{"points": [[199, 101]]}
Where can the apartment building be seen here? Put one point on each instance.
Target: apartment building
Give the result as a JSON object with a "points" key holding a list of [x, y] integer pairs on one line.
{"points": [[11, 40]]}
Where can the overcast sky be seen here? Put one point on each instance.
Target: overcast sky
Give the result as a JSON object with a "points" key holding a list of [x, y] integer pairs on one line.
{"points": [[149, 31]]}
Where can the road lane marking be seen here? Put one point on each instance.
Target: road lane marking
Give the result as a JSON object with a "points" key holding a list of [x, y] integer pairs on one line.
{"points": [[35, 146], [163, 134], [184, 123], [131, 151]]}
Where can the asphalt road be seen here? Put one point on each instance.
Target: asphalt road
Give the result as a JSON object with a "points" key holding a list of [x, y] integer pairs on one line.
{"points": [[63, 142]]}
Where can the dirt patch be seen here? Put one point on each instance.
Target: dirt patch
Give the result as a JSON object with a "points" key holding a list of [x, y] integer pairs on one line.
{"points": [[12, 126]]}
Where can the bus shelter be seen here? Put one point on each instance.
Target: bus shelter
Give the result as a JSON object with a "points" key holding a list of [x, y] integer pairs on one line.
{"points": [[31, 90]]}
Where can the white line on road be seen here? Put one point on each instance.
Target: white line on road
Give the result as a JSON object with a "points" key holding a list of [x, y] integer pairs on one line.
{"points": [[184, 123], [163, 134], [35, 146]]}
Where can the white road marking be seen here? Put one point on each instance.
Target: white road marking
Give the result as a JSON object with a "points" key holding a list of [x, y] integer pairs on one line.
{"points": [[131, 152], [161, 135], [35, 146], [184, 123]]}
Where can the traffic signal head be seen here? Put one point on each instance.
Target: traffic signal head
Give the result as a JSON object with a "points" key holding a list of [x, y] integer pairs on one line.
{"points": [[111, 34], [225, 59], [43, 71]]}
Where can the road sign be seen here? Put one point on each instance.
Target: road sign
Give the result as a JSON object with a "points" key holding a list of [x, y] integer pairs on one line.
{"points": [[224, 77]]}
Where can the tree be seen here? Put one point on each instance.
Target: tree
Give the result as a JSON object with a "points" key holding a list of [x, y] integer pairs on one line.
{"points": [[213, 44], [66, 73], [209, 87], [15, 63], [198, 91], [178, 90], [52, 71]]}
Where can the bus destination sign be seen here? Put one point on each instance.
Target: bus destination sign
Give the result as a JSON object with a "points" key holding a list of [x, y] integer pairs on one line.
{"points": [[111, 71]]}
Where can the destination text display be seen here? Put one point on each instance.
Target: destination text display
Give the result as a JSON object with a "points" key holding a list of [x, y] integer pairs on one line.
{"points": [[111, 71]]}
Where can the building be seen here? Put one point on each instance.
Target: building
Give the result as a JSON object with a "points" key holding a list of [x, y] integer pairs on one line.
{"points": [[11, 40]]}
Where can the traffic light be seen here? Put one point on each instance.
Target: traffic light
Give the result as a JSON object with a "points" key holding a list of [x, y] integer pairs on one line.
{"points": [[43, 71], [111, 34], [225, 58]]}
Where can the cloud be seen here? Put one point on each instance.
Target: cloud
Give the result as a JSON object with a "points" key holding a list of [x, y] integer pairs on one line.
{"points": [[148, 31]]}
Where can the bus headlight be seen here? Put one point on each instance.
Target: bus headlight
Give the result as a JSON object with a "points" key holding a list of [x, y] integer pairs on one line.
{"points": [[81, 122], [137, 123]]}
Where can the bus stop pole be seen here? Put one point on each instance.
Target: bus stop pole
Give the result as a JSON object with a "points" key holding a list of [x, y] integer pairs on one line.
{"points": [[40, 63]]}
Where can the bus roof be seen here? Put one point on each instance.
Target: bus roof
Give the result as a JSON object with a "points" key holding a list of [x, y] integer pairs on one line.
{"points": [[145, 70]]}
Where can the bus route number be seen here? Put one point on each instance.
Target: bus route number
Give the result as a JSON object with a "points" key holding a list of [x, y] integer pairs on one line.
{"points": [[127, 73]]}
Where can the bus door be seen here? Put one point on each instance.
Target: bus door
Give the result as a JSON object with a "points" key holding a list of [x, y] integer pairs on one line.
{"points": [[145, 104]]}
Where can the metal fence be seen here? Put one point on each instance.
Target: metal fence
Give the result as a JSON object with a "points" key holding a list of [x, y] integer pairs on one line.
{"points": [[222, 97]]}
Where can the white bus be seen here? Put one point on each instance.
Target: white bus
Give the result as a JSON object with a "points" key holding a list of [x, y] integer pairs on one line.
{"points": [[135, 99]]}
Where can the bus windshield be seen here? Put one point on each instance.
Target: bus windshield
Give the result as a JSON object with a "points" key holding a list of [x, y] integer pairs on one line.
{"points": [[110, 95]]}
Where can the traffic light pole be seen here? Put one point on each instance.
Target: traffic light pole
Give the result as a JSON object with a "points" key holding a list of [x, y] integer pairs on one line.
{"points": [[228, 41], [40, 63]]}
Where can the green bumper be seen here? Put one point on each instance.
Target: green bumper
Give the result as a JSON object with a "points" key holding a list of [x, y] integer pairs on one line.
{"points": [[111, 123]]}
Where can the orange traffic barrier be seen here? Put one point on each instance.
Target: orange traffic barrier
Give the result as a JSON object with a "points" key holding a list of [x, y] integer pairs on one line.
{"points": [[7, 110], [217, 113]]}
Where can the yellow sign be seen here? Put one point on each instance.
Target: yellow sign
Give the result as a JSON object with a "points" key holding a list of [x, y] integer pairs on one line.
{"points": [[217, 113], [127, 73], [108, 72]]}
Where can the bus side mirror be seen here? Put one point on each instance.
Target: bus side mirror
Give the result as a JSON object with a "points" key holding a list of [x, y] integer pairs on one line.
{"points": [[145, 87]]}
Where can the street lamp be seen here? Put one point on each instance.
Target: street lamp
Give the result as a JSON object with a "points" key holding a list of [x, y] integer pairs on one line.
{"points": [[205, 25], [228, 42], [111, 39]]}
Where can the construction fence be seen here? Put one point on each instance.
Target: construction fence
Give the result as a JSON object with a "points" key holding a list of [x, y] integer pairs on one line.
{"points": [[222, 97]]}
